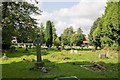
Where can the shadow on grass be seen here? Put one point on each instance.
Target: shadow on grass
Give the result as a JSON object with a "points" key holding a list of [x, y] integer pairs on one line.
{"points": [[20, 70], [21, 52], [87, 49]]}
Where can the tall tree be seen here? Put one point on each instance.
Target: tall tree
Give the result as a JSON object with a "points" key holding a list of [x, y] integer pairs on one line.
{"points": [[111, 28], [94, 26], [80, 36], [42, 30], [106, 32], [66, 35], [48, 34], [16, 18], [54, 32]]}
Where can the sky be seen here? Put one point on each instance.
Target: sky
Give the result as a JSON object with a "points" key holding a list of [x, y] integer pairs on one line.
{"points": [[76, 13]]}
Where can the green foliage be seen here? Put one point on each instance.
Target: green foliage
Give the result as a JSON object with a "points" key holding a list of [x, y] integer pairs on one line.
{"points": [[74, 39], [80, 37], [16, 21], [40, 30], [48, 34], [54, 32], [111, 27], [96, 37], [67, 35], [57, 41], [106, 30], [70, 37], [94, 26]]}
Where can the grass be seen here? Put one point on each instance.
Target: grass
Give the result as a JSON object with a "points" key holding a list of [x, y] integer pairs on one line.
{"points": [[60, 64]]}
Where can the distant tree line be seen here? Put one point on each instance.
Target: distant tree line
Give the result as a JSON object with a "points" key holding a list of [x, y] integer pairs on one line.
{"points": [[17, 22], [105, 31], [71, 37]]}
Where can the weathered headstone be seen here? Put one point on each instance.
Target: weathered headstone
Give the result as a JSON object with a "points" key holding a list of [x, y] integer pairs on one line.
{"points": [[75, 51], [37, 42], [5, 57], [102, 56], [72, 51]]}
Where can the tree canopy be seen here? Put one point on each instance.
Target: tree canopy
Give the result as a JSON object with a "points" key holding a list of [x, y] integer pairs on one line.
{"points": [[105, 31], [16, 21], [71, 37], [48, 34]]}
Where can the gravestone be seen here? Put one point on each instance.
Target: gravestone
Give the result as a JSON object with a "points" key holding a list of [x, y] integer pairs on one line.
{"points": [[37, 42], [72, 51], [75, 51], [102, 56], [5, 57]]}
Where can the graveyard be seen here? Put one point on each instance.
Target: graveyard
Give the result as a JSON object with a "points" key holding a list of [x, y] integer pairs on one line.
{"points": [[60, 40], [59, 64]]}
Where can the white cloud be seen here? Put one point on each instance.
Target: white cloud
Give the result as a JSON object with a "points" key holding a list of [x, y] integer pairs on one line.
{"points": [[81, 15]]}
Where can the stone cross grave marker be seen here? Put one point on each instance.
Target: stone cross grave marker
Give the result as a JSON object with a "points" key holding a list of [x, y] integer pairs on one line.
{"points": [[37, 42]]}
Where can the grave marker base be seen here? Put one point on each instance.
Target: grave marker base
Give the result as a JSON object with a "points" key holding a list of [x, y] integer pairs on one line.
{"points": [[39, 64]]}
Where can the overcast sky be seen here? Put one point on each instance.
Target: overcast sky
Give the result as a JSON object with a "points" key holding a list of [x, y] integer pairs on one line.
{"points": [[76, 13]]}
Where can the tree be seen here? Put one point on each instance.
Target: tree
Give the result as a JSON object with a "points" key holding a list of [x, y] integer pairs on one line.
{"points": [[54, 32], [41, 32], [74, 39], [57, 42], [96, 33], [48, 34], [105, 31], [16, 21], [70, 37], [66, 35], [80, 36], [111, 28], [96, 38], [77, 37], [94, 26]]}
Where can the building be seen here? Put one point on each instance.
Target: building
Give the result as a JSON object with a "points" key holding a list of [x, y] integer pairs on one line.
{"points": [[86, 42]]}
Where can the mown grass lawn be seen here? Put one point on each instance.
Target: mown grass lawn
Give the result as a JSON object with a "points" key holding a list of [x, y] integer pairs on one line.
{"points": [[59, 63]]}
